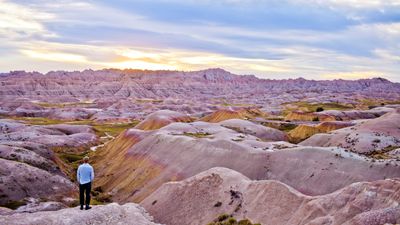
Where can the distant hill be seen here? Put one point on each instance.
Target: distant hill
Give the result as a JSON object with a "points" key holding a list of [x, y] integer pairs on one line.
{"points": [[210, 83]]}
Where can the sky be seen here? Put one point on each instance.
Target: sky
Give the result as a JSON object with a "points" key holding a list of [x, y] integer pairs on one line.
{"points": [[276, 39]]}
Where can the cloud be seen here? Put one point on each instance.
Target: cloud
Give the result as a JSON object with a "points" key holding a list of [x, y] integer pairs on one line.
{"points": [[17, 21], [351, 75], [271, 39]]}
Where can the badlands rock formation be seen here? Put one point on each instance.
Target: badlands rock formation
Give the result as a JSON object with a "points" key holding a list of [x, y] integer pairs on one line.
{"points": [[192, 122], [162, 118], [305, 116], [262, 132], [29, 167], [125, 95], [137, 162], [61, 85], [108, 214], [200, 199], [304, 131], [380, 134], [356, 114], [333, 115], [226, 114], [20, 180]]}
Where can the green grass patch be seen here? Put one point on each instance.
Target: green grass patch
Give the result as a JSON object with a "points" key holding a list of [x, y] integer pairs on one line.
{"points": [[382, 154], [63, 105], [113, 129], [14, 204], [312, 107], [38, 120], [70, 158], [100, 129], [197, 135], [149, 100], [371, 103], [285, 127]]}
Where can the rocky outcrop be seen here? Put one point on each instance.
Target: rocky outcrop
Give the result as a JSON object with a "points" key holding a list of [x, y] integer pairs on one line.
{"points": [[262, 132], [369, 136], [308, 116], [68, 86], [356, 114], [137, 162], [19, 181], [30, 170], [162, 118], [50, 135], [201, 198], [333, 125], [305, 131], [105, 214], [227, 114]]}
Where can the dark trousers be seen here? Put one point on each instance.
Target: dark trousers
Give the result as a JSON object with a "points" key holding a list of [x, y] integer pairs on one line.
{"points": [[85, 189]]}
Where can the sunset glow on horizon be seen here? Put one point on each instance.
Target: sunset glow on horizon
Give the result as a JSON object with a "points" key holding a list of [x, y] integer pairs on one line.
{"points": [[313, 39]]}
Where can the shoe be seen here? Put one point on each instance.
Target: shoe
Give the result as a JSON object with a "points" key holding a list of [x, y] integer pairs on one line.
{"points": [[88, 207], [81, 207]]}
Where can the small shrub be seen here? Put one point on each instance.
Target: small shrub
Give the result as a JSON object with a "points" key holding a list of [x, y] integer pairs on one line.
{"points": [[244, 222], [319, 109], [222, 217], [231, 221], [104, 198], [225, 219], [218, 204], [14, 204], [99, 189], [71, 157], [377, 141]]}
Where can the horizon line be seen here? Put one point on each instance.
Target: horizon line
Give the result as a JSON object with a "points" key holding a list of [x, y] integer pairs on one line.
{"points": [[192, 71]]}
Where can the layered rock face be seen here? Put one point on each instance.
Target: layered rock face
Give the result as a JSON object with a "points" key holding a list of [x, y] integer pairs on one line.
{"points": [[108, 214], [126, 95], [305, 131], [138, 162], [369, 136], [145, 84], [191, 122], [29, 168], [200, 199], [162, 118], [226, 114]]}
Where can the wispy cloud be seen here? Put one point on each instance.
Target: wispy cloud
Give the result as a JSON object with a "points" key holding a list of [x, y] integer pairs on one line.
{"points": [[274, 39]]}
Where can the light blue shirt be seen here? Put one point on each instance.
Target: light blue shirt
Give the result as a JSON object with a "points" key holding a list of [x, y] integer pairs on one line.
{"points": [[85, 173]]}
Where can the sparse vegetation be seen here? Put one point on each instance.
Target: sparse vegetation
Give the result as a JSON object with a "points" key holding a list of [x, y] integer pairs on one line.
{"points": [[149, 100], [376, 141], [70, 158], [218, 204], [113, 129], [38, 120], [313, 107], [373, 103], [197, 135], [225, 219], [101, 198], [14, 204], [381, 154], [64, 104], [101, 129]]}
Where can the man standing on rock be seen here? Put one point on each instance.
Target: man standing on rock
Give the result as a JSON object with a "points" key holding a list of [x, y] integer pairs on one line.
{"points": [[85, 176]]}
